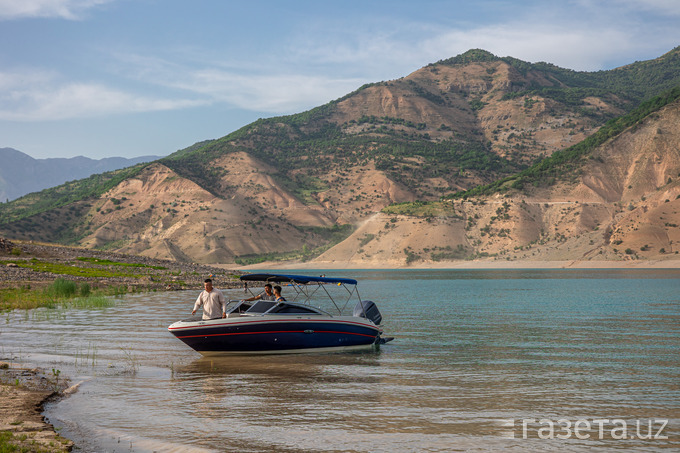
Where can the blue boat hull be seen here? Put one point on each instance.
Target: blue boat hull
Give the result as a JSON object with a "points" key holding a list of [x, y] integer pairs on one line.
{"points": [[272, 336]]}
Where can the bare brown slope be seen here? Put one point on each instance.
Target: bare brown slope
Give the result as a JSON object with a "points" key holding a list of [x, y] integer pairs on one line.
{"points": [[349, 195], [160, 214], [624, 206]]}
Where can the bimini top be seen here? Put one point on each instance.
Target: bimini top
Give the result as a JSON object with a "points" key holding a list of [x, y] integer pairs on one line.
{"points": [[299, 279]]}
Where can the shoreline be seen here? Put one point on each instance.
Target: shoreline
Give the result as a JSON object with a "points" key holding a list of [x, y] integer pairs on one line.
{"points": [[465, 265], [35, 265], [23, 394], [31, 267]]}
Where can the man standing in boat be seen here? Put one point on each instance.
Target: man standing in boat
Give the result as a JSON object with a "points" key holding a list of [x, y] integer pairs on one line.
{"points": [[213, 302]]}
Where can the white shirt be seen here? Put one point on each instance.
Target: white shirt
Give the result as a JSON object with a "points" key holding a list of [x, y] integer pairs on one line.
{"points": [[213, 302]]}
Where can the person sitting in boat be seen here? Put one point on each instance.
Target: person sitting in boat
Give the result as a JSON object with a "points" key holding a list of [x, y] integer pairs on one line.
{"points": [[212, 300], [277, 294], [266, 295]]}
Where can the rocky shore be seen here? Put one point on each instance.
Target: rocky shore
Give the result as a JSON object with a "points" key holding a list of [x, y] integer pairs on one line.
{"points": [[35, 264]]}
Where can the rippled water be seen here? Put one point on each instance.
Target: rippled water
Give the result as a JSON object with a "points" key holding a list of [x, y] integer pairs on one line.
{"points": [[476, 354]]}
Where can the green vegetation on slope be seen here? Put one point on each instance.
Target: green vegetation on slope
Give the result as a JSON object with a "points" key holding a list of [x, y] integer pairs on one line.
{"points": [[563, 164], [625, 86], [635, 82], [307, 153], [56, 197], [423, 209]]}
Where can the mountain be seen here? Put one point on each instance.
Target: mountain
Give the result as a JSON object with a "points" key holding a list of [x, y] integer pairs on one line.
{"points": [[21, 174], [618, 199], [474, 156], [450, 125]]}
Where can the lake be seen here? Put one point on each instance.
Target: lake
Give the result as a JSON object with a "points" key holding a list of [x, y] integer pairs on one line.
{"points": [[530, 360]]}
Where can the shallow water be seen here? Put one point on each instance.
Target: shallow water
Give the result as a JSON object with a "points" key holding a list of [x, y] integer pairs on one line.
{"points": [[477, 355]]}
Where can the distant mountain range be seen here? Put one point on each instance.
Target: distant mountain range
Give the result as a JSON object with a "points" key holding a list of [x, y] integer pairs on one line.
{"points": [[21, 174], [476, 156]]}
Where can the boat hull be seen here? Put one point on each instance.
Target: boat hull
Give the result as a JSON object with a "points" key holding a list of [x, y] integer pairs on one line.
{"points": [[276, 334]]}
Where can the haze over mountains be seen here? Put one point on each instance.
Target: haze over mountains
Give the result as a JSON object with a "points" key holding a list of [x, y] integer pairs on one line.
{"points": [[379, 176], [21, 174]]}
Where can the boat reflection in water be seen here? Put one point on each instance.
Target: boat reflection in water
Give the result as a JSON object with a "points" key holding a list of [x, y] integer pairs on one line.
{"points": [[269, 327]]}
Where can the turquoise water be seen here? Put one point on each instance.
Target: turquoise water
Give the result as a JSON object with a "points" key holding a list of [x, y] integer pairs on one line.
{"points": [[477, 356]]}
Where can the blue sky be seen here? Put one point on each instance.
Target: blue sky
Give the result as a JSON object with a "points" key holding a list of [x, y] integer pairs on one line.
{"points": [[105, 78]]}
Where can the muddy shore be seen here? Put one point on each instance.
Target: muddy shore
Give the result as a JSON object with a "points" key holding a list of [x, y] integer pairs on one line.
{"points": [[23, 392]]}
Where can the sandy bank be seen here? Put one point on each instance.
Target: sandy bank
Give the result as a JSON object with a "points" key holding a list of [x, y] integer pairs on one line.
{"points": [[23, 392]]}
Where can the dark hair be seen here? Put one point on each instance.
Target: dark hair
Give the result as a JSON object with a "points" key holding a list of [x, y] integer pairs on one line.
{"points": [[277, 288], [207, 280], [268, 284]]}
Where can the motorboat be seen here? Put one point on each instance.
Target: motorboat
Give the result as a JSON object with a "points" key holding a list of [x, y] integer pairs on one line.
{"points": [[291, 326]]}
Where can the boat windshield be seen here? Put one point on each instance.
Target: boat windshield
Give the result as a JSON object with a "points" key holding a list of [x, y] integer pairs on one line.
{"points": [[261, 306], [269, 307]]}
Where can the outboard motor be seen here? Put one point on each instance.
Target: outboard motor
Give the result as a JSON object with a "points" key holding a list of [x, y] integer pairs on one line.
{"points": [[369, 310]]}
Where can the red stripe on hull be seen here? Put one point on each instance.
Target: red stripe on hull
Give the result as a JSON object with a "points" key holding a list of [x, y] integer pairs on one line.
{"points": [[273, 331]]}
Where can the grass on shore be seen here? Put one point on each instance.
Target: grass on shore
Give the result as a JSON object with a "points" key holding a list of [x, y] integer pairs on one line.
{"points": [[61, 293], [105, 262], [69, 269], [25, 443]]}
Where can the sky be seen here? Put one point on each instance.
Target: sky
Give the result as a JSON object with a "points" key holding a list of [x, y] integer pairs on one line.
{"points": [[104, 78]]}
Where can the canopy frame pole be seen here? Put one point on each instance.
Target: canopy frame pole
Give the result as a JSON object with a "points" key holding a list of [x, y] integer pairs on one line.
{"points": [[363, 308], [303, 288], [350, 293], [331, 298]]}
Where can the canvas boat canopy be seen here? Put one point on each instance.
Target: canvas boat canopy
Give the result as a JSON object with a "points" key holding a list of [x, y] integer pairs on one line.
{"points": [[298, 279]]}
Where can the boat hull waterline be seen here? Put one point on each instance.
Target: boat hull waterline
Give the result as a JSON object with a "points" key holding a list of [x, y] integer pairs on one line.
{"points": [[276, 334]]}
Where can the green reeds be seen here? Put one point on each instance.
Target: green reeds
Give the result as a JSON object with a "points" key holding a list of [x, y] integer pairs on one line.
{"points": [[61, 293], [84, 356], [132, 363], [62, 288], [88, 302]]}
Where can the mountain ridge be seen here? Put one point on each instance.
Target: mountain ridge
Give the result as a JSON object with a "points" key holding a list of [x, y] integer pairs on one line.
{"points": [[292, 185], [21, 174]]}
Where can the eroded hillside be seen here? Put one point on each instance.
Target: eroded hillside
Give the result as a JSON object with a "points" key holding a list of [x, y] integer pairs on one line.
{"points": [[624, 205], [331, 181]]}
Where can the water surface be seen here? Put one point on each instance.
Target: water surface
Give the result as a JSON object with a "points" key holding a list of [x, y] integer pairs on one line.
{"points": [[475, 354]]}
